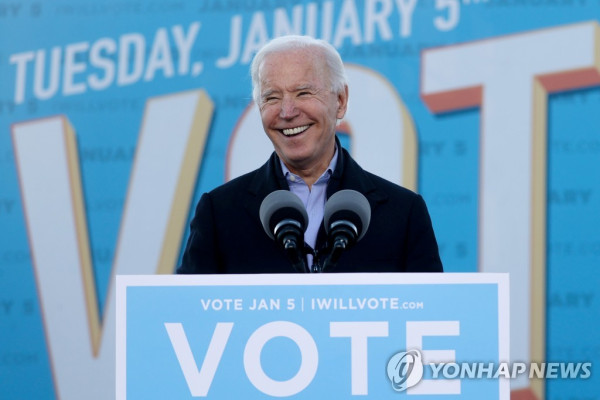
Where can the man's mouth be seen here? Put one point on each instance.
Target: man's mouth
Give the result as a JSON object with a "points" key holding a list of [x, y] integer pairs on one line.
{"points": [[294, 131]]}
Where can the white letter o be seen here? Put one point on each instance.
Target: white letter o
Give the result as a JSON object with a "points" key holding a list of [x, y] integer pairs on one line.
{"points": [[308, 365]]}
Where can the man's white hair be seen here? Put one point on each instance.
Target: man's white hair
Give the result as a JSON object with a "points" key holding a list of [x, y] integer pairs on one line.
{"points": [[333, 61]]}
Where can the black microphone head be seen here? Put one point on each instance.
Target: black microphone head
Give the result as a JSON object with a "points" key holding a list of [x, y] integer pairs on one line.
{"points": [[348, 205], [282, 205]]}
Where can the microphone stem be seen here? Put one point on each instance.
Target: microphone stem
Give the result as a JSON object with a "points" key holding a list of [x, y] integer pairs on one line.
{"points": [[339, 245], [291, 248]]}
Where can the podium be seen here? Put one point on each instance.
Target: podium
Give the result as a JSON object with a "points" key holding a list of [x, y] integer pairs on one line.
{"points": [[312, 336]]}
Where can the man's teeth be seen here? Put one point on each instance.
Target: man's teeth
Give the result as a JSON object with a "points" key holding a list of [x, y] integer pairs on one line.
{"points": [[294, 131]]}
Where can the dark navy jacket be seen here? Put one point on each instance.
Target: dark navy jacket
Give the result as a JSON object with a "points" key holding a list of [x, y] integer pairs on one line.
{"points": [[226, 234]]}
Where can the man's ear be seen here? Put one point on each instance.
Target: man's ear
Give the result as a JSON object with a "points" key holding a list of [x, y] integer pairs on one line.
{"points": [[342, 98]]}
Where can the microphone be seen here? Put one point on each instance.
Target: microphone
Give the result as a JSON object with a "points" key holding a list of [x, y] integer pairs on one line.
{"points": [[284, 219], [346, 218]]}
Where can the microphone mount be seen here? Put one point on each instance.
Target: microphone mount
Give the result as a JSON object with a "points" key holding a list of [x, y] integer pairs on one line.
{"points": [[346, 217], [284, 219]]}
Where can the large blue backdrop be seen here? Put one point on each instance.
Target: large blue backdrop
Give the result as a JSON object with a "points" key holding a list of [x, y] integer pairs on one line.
{"points": [[115, 116]]}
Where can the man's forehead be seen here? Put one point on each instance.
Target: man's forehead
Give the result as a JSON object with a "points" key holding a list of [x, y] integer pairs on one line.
{"points": [[292, 77], [309, 58]]}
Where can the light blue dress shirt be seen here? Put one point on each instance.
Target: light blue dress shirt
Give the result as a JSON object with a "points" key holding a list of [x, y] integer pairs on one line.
{"points": [[314, 199]]}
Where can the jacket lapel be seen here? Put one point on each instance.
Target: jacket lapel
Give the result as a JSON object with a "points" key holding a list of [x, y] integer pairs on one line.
{"points": [[266, 179], [349, 175]]}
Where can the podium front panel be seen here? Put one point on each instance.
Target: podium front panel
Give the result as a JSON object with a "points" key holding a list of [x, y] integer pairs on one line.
{"points": [[313, 336]]}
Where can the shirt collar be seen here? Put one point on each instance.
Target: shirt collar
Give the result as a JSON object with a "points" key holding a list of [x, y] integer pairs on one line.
{"points": [[291, 177]]}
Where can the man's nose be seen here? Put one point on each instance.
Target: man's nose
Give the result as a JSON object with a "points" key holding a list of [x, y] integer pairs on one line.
{"points": [[288, 108]]}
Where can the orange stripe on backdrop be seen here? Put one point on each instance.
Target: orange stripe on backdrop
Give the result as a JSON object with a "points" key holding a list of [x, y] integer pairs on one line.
{"points": [[523, 394]]}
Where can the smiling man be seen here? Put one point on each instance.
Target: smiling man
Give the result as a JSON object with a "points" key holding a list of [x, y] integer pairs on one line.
{"points": [[300, 88], [299, 108]]}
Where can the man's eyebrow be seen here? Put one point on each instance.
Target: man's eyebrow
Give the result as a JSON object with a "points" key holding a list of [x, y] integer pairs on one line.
{"points": [[307, 86], [267, 93]]}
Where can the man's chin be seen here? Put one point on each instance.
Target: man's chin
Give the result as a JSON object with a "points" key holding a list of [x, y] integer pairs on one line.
{"points": [[295, 161]]}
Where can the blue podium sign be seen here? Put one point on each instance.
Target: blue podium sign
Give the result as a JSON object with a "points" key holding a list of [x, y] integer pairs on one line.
{"points": [[313, 336]]}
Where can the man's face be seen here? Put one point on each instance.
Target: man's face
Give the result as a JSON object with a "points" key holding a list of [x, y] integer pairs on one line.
{"points": [[299, 112]]}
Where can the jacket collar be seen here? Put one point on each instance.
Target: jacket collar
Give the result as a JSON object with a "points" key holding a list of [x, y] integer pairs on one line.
{"points": [[347, 175], [268, 178]]}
